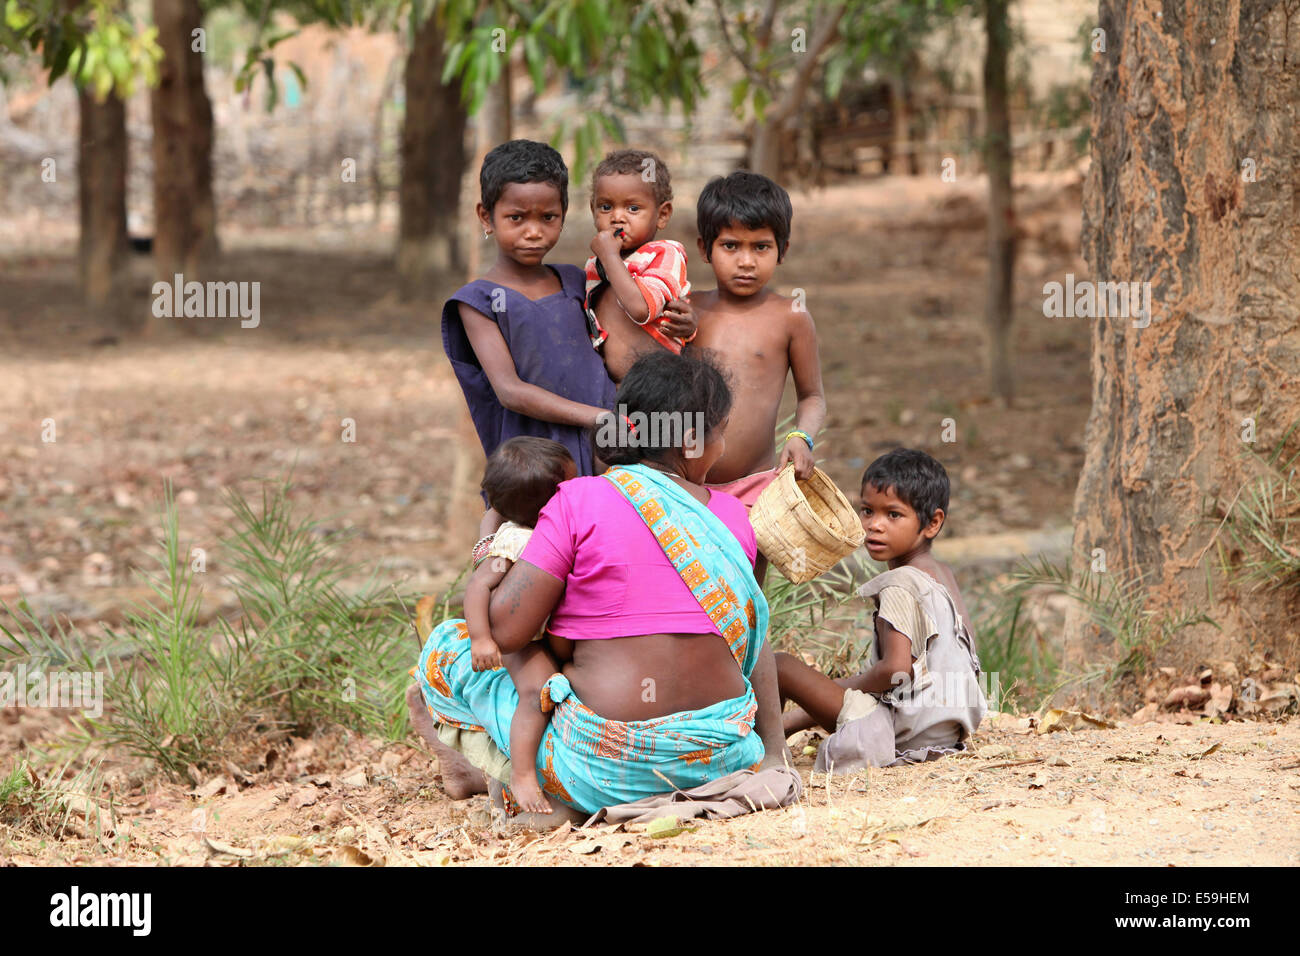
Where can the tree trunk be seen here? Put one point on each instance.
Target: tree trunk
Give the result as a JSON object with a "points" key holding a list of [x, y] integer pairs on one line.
{"points": [[433, 164], [905, 158], [101, 192], [1193, 189], [496, 124], [185, 236], [493, 126], [1002, 217], [765, 147]]}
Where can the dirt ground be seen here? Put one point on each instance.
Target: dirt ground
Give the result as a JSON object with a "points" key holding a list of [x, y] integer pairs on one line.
{"points": [[1156, 794], [894, 277]]}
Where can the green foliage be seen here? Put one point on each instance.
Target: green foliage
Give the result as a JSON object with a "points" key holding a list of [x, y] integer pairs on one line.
{"points": [[1116, 608], [1011, 646], [884, 35], [822, 618], [1262, 522], [96, 42], [48, 807], [304, 652], [619, 56]]}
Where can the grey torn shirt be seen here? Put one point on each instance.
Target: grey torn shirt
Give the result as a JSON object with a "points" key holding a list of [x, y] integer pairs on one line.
{"points": [[938, 708]]}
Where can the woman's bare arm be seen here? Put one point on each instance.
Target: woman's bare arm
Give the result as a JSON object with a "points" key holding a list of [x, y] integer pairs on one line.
{"points": [[767, 722], [520, 605], [513, 392]]}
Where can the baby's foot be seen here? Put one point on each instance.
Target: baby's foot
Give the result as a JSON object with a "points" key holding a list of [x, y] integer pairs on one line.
{"points": [[524, 788]]}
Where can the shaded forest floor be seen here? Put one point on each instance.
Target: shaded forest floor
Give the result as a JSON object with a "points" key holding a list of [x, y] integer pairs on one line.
{"points": [[894, 277]]}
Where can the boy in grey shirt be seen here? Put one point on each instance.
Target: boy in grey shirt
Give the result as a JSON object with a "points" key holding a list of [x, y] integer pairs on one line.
{"points": [[920, 696]]}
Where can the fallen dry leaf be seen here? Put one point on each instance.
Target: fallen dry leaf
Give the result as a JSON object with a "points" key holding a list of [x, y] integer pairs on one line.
{"points": [[225, 849], [993, 751], [305, 797], [1189, 696], [1059, 719], [215, 786], [354, 778], [1204, 754], [1146, 713], [355, 856], [663, 827], [1220, 700]]}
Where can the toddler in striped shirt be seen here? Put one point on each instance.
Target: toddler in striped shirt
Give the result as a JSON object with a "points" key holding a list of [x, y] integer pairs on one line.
{"points": [[631, 201]]}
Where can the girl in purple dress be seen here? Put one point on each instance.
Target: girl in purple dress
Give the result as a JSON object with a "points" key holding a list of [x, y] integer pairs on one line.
{"points": [[517, 338]]}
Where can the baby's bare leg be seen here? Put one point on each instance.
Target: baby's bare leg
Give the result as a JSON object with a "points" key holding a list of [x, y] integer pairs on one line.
{"points": [[529, 669]]}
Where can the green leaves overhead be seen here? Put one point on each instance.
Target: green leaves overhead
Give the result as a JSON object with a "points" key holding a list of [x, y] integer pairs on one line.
{"points": [[617, 55], [96, 43], [837, 37]]}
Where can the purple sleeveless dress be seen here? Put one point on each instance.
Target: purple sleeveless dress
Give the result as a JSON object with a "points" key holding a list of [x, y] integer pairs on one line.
{"points": [[550, 347]]}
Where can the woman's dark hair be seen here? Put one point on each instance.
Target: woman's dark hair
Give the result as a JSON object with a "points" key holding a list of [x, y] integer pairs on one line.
{"points": [[521, 476], [664, 395], [918, 480], [746, 199], [522, 161]]}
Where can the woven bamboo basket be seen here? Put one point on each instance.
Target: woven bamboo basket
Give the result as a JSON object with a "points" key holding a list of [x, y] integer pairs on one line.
{"points": [[805, 527]]}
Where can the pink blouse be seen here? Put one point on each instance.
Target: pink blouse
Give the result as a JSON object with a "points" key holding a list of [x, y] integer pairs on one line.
{"points": [[618, 581]]}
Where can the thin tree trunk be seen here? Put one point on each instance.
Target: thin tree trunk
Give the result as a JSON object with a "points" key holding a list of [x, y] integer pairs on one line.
{"points": [[185, 234], [101, 186], [433, 164], [1192, 188], [765, 146], [905, 155], [496, 122], [493, 126], [1001, 222], [765, 149]]}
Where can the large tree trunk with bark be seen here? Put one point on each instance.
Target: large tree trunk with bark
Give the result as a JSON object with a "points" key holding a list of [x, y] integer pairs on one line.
{"points": [[101, 193], [1002, 217], [433, 164], [185, 221], [1193, 188]]}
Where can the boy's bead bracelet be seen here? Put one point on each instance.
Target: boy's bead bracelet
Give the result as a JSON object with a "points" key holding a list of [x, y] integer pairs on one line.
{"points": [[804, 435]]}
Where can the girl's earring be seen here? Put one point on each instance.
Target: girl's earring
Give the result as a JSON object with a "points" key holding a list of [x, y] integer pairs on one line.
{"points": [[486, 233]]}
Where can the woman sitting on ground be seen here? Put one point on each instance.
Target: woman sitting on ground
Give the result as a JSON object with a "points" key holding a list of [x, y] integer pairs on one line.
{"points": [[647, 579]]}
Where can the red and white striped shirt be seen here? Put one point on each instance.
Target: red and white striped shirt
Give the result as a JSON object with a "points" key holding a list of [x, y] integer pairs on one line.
{"points": [[659, 270]]}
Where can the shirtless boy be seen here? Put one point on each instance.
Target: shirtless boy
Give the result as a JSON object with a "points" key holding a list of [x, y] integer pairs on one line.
{"points": [[758, 336]]}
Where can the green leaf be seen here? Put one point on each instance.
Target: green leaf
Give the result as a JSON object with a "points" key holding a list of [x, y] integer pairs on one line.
{"points": [[739, 92], [536, 61]]}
